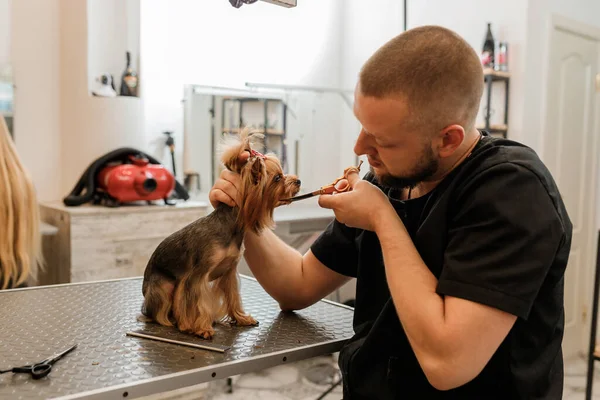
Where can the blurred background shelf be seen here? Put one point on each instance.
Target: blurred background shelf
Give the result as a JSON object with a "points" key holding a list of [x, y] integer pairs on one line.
{"points": [[490, 77], [500, 129], [267, 116], [496, 75], [268, 132]]}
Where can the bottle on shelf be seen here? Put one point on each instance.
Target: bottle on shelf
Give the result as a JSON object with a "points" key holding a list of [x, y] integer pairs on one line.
{"points": [[488, 51], [502, 64], [129, 80]]}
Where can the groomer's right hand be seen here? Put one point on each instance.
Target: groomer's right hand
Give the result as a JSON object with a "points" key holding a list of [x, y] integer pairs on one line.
{"points": [[225, 189]]}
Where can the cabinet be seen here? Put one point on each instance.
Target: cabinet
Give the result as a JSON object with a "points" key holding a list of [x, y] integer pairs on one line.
{"points": [[97, 243], [265, 115]]}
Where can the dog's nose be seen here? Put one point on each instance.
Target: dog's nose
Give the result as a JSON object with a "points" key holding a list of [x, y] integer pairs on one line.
{"points": [[298, 182]]}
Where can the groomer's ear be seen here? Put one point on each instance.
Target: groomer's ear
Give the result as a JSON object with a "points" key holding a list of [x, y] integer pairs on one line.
{"points": [[449, 139]]}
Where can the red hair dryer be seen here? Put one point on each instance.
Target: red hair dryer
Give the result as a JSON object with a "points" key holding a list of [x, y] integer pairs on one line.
{"points": [[137, 181]]}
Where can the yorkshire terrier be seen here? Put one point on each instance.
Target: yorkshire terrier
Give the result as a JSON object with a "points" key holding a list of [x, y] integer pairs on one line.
{"points": [[191, 278]]}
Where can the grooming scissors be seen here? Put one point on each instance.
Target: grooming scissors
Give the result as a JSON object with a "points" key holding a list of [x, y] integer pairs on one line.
{"points": [[330, 189], [41, 369]]}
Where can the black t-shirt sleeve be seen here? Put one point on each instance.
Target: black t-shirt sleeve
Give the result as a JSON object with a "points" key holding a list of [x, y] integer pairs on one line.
{"points": [[502, 239], [336, 248]]}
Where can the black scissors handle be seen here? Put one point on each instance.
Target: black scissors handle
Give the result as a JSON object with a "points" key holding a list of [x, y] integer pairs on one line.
{"points": [[37, 371], [42, 368]]}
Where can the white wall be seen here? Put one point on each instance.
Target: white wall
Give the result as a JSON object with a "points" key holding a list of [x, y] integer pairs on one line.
{"points": [[5, 26], [212, 43], [90, 126], [35, 58], [114, 28], [59, 127], [538, 28], [539, 15], [585, 11], [469, 19], [367, 26]]}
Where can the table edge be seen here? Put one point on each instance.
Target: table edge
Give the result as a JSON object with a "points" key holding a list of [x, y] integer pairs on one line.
{"points": [[69, 284], [178, 380]]}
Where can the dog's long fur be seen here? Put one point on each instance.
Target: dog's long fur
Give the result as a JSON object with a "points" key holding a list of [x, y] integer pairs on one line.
{"points": [[191, 278]]}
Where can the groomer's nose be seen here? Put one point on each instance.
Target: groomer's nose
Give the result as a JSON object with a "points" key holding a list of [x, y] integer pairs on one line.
{"points": [[361, 146]]}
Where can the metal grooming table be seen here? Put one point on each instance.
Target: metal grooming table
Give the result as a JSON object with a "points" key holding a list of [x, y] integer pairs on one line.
{"points": [[40, 321]]}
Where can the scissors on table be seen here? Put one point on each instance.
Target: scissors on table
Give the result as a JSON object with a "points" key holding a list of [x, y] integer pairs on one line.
{"points": [[41, 369], [329, 189]]}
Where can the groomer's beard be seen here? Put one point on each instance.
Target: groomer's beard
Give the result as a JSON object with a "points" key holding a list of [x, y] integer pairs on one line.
{"points": [[426, 168]]}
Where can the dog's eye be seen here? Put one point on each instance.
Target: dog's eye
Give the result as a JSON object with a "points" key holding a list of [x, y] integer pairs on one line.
{"points": [[277, 178]]}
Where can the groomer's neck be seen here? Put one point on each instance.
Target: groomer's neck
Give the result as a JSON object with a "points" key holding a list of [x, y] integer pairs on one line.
{"points": [[462, 152]]}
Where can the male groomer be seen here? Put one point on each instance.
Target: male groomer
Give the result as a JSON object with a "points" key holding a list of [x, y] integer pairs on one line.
{"points": [[458, 240]]}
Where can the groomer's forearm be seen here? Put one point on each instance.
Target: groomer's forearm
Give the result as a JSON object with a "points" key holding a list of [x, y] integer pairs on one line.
{"points": [[413, 290], [275, 264]]}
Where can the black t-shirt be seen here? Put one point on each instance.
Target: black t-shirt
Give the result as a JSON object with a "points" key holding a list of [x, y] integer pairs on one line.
{"points": [[494, 231]]}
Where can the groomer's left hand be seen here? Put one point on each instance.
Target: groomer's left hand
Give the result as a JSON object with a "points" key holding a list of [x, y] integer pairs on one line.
{"points": [[361, 207]]}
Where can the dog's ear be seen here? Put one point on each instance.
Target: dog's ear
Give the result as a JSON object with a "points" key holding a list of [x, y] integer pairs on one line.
{"points": [[252, 214], [257, 171]]}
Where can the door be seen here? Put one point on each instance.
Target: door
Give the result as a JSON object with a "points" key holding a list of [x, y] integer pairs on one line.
{"points": [[570, 152]]}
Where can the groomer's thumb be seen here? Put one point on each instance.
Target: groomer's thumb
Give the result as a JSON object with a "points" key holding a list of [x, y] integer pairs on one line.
{"points": [[353, 178]]}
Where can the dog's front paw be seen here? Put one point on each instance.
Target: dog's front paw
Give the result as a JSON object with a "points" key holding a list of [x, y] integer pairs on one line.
{"points": [[244, 320], [206, 333]]}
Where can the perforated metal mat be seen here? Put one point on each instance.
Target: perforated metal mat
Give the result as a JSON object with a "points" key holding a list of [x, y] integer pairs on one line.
{"points": [[39, 322]]}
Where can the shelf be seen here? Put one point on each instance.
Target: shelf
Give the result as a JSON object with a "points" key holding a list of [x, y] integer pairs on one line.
{"points": [[118, 96], [115, 98], [494, 128], [252, 99], [266, 117], [269, 131], [496, 75]]}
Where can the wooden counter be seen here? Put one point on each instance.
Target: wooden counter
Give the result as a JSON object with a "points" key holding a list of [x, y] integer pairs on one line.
{"points": [[96, 243]]}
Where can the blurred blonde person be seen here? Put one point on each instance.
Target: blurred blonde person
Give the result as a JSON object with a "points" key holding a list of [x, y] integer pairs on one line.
{"points": [[20, 240]]}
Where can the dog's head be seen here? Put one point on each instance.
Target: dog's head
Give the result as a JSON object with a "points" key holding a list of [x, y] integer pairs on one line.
{"points": [[263, 183]]}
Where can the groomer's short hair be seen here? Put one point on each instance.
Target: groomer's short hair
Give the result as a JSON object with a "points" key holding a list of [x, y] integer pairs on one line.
{"points": [[435, 70]]}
